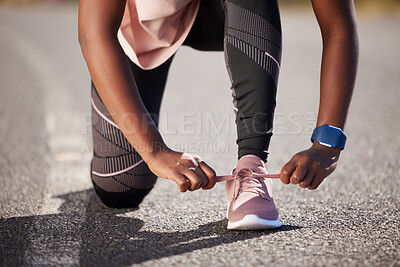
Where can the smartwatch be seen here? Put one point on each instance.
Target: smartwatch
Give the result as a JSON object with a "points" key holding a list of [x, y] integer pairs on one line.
{"points": [[329, 136]]}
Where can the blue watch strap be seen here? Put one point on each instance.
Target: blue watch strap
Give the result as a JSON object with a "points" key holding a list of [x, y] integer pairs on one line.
{"points": [[330, 136]]}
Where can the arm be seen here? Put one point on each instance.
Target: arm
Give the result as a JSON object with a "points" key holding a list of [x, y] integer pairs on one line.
{"points": [[336, 19], [99, 21]]}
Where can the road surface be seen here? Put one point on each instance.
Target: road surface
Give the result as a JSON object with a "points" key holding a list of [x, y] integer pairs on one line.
{"points": [[51, 216]]}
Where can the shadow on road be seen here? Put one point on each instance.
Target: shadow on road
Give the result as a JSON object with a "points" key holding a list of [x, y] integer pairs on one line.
{"points": [[90, 233]]}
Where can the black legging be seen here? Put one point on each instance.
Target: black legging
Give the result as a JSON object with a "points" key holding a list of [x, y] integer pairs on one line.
{"points": [[249, 33]]}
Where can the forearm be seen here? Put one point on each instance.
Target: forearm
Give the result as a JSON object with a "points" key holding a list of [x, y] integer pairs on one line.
{"points": [[338, 73], [337, 21], [98, 24], [110, 71]]}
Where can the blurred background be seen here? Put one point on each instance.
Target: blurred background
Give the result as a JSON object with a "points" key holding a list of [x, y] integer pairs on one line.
{"points": [[370, 5], [49, 214]]}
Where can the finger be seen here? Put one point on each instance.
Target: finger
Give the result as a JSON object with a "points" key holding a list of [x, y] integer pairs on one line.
{"points": [[210, 174], [298, 174], [316, 181], [181, 181], [307, 179], [287, 171], [199, 172], [195, 181]]}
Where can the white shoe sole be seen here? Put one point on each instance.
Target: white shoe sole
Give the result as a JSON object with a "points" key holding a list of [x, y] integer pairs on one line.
{"points": [[253, 222]]}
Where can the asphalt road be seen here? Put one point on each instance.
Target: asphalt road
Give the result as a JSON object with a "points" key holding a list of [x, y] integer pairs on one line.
{"points": [[51, 216]]}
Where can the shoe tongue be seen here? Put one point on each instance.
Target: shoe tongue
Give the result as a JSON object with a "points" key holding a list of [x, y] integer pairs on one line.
{"points": [[251, 162]]}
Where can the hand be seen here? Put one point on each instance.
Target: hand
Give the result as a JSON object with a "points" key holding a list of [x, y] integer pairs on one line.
{"points": [[310, 167], [188, 171]]}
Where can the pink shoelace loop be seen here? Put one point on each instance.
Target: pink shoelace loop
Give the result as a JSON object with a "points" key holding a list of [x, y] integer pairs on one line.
{"points": [[249, 181]]}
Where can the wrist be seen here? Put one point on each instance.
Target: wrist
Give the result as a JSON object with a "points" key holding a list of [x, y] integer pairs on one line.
{"points": [[154, 151], [317, 146], [329, 136]]}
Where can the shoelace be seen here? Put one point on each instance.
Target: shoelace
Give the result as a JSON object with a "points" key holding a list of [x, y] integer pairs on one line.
{"points": [[242, 172], [249, 181]]}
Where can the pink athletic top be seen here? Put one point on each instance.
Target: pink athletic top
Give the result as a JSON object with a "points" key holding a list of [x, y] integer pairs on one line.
{"points": [[151, 31]]}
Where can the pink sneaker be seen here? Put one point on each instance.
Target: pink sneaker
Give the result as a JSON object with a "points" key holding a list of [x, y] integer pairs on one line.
{"points": [[251, 205]]}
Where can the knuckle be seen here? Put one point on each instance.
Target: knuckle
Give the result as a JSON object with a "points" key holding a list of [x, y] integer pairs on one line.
{"points": [[295, 177], [196, 183], [284, 174], [181, 182]]}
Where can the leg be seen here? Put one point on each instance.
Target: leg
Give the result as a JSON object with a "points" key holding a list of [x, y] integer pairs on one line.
{"points": [[252, 46], [207, 32], [249, 31], [119, 175]]}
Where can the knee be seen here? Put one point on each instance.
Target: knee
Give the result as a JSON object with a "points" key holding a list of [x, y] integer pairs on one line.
{"points": [[128, 199], [125, 190]]}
